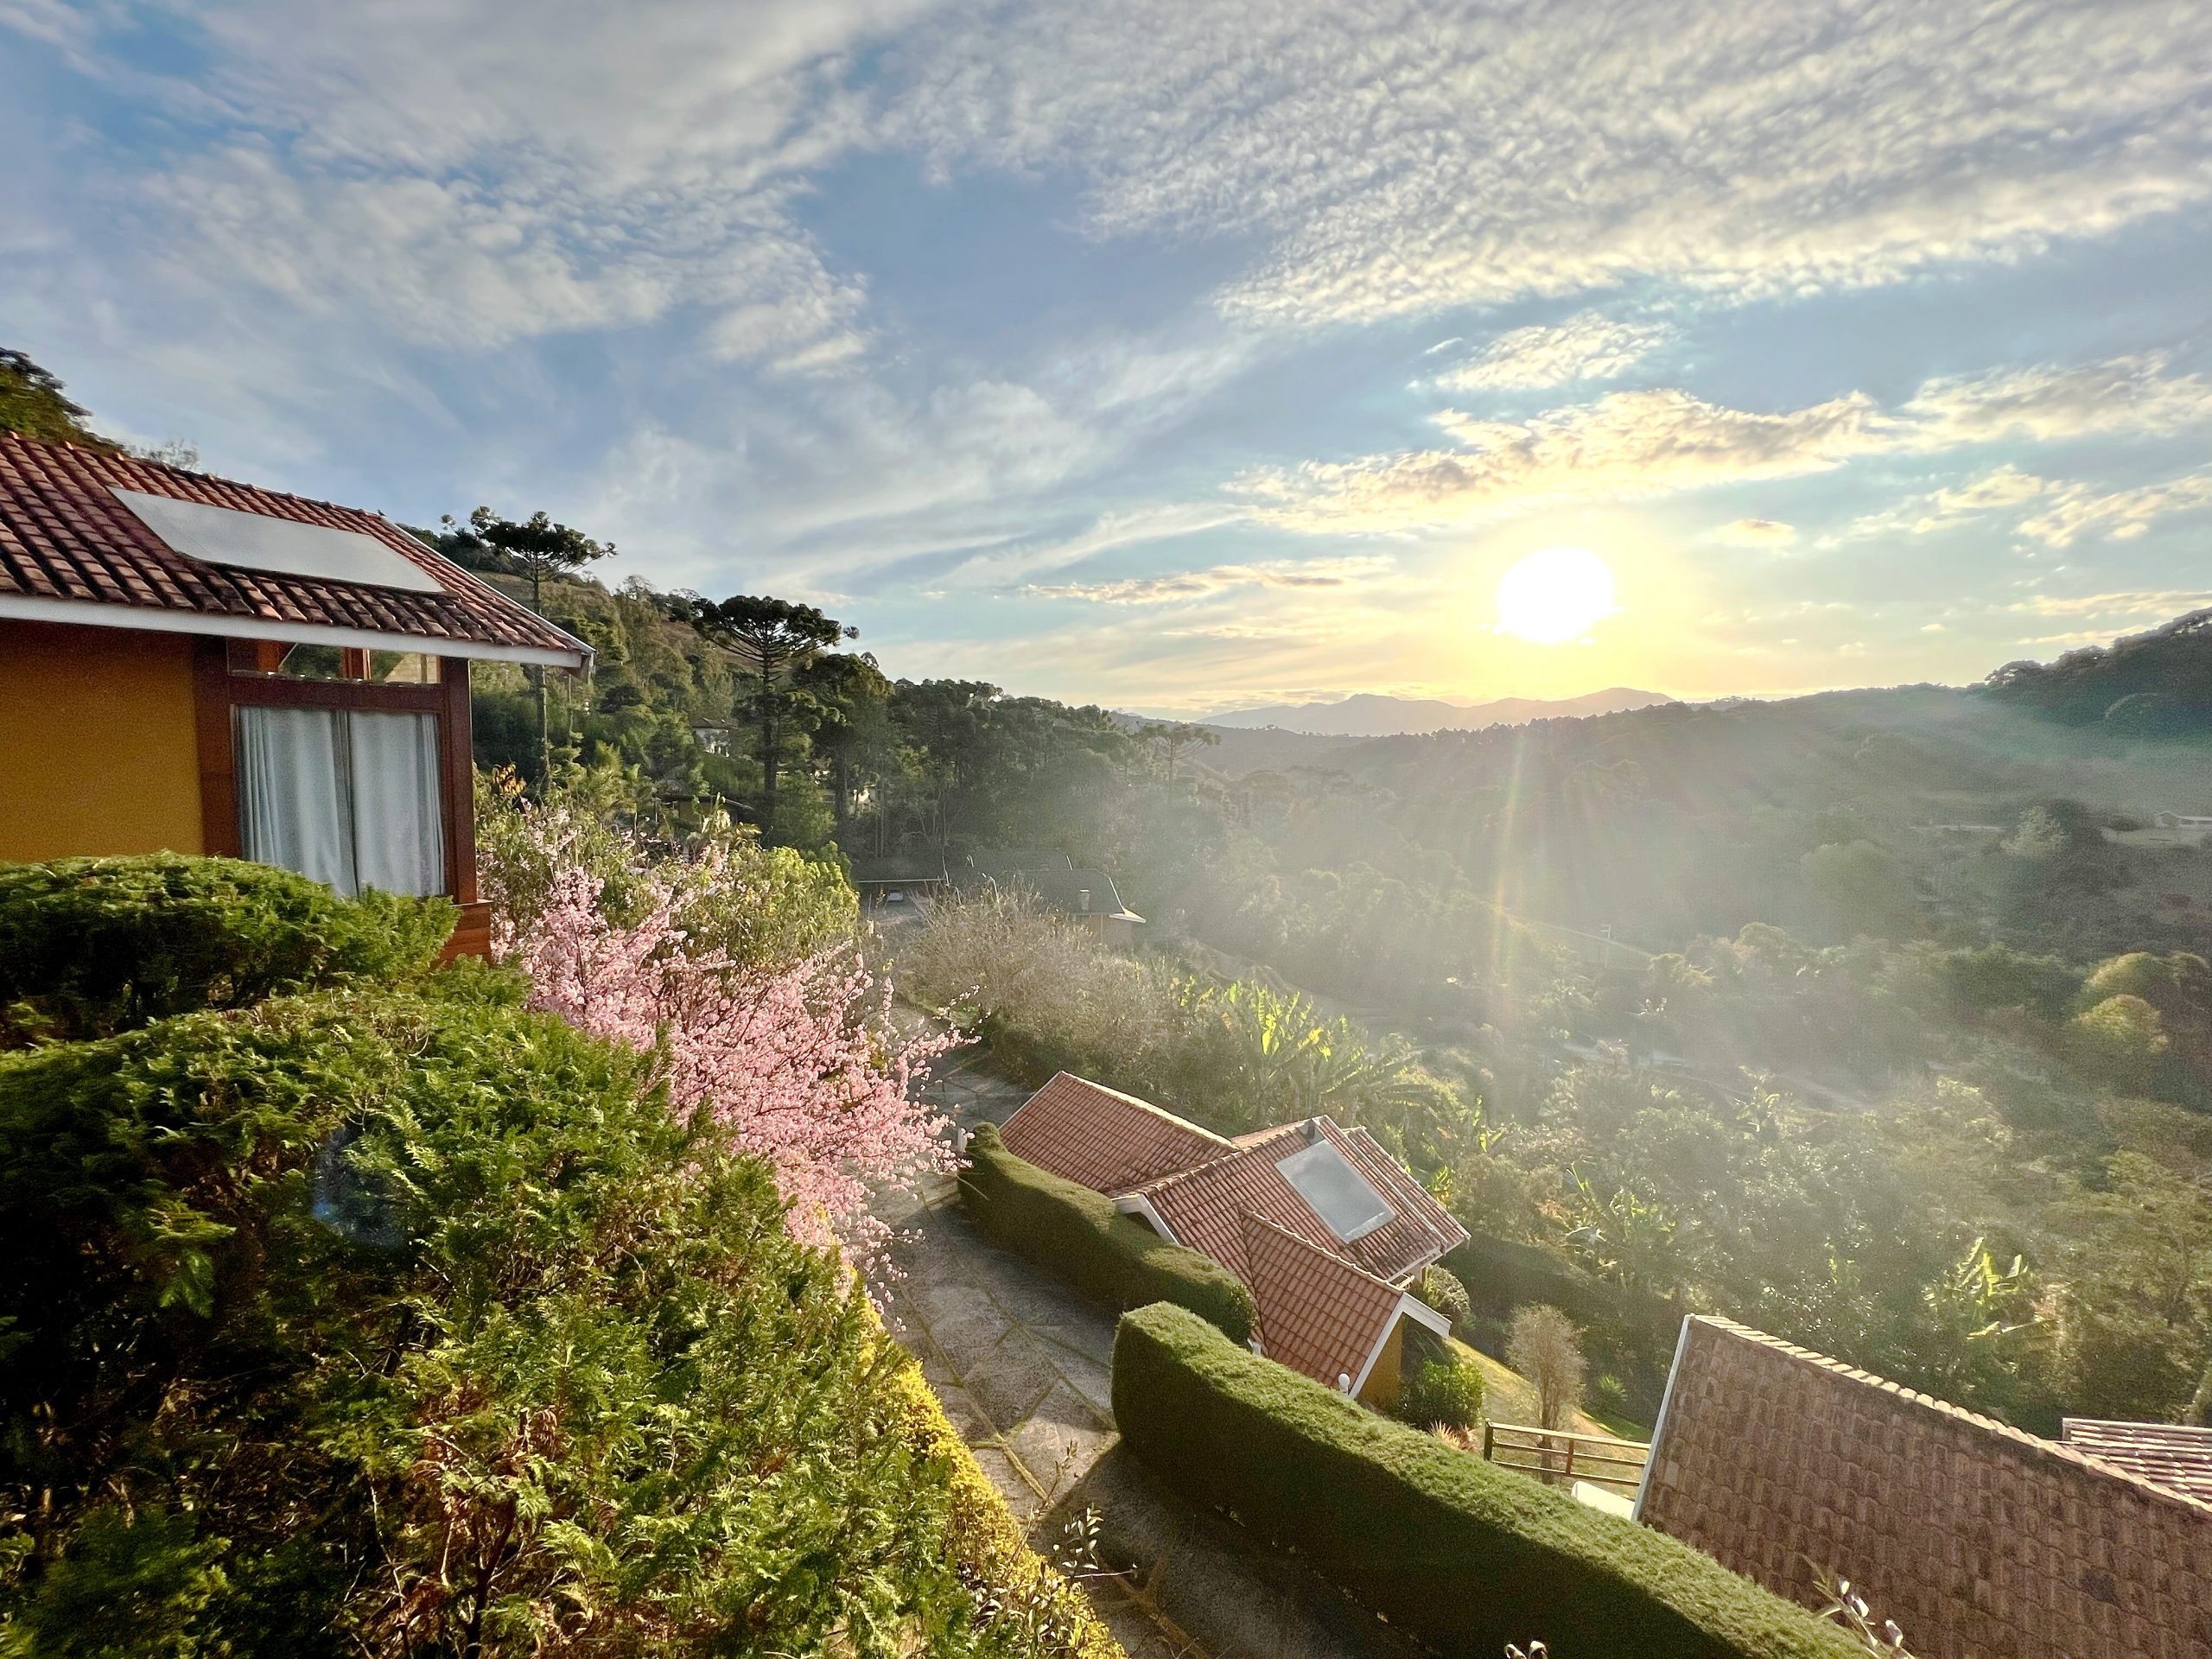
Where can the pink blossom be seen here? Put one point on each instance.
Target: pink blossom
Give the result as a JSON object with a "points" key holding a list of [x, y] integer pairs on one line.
{"points": [[801, 1066]]}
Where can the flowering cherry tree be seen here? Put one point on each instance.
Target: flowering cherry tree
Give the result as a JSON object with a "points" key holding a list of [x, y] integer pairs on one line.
{"points": [[800, 1063]]}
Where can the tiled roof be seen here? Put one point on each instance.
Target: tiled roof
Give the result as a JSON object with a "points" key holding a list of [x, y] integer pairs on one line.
{"points": [[2172, 1455], [1319, 1314], [65, 538], [1981, 1542], [1202, 1205], [1101, 1139]]}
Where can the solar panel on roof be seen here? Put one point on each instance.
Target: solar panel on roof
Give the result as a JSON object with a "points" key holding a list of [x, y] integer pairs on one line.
{"points": [[254, 541], [1340, 1195]]}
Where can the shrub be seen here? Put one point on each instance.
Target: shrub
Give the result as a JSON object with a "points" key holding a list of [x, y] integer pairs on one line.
{"points": [[800, 1062], [370, 1323], [92, 946], [1441, 1289], [1456, 1551], [1544, 1346], [1442, 1393], [1078, 1235]]}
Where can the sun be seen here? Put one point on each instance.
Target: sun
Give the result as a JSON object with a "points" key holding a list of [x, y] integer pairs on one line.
{"points": [[1554, 596]]}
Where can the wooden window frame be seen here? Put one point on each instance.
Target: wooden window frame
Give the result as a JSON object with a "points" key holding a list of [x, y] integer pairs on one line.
{"points": [[216, 692]]}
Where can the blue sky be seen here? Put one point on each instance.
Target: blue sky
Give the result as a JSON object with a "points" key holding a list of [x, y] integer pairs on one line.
{"points": [[1184, 357]]}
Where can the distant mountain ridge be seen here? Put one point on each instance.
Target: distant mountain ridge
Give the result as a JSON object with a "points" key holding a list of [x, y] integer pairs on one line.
{"points": [[1371, 714]]}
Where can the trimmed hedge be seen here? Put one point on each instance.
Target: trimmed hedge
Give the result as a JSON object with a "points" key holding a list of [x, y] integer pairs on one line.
{"points": [[1455, 1550], [90, 947], [1078, 1235], [987, 1540]]}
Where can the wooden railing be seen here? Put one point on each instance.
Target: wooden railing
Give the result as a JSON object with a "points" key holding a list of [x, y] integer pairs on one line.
{"points": [[1560, 1457]]}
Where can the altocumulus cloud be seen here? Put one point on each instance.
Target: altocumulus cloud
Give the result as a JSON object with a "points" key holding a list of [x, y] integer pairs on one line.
{"points": [[1587, 346], [1491, 153]]}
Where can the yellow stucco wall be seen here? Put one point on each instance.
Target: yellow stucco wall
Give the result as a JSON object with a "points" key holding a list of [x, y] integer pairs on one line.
{"points": [[98, 749], [1382, 1387]]}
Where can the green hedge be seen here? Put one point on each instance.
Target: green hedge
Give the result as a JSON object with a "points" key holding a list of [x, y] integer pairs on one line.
{"points": [[1454, 1550], [92, 946], [367, 1288], [1079, 1235]]}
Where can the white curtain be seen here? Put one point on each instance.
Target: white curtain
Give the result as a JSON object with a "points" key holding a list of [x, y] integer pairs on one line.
{"points": [[346, 796], [398, 824], [292, 807]]}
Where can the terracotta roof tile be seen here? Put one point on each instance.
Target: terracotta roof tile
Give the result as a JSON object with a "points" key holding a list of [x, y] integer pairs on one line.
{"points": [[2172, 1455], [1103, 1139], [1980, 1541], [64, 536], [1201, 1206], [1319, 1314]]}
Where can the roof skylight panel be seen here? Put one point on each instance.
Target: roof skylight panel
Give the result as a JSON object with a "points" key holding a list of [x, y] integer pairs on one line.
{"points": [[254, 541], [1338, 1193]]}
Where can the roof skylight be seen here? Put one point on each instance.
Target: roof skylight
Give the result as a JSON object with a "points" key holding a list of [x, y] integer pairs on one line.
{"points": [[1340, 1195], [254, 541]]}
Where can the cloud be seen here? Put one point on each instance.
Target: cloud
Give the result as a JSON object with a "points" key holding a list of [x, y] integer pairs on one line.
{"points": [[465, 183], [2001, 491], [1586, 347], [2077, 510], [1756, 533], [2132, 604], [1632, 445], [1627, 445], [2043, 403], [1209, 583], [1478, 155]]}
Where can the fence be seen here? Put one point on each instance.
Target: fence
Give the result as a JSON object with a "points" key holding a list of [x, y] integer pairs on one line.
{"points": [[1561, 1458]]}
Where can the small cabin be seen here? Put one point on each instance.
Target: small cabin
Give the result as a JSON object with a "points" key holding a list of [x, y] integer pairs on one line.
{"points": [[190, 664]]}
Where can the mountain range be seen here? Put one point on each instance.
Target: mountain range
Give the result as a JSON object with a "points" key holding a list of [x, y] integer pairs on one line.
{"points": [[1370, 714]]}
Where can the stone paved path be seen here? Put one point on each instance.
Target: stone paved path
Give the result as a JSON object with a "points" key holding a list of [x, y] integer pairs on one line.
{"points": [[1023, 1366]]}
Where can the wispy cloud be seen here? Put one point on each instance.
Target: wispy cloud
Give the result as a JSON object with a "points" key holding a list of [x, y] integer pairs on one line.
{"points": [[1587, 346], [1627, 446], [1216, 579], [1756, 533], [1634, 445], [2078, 510]]}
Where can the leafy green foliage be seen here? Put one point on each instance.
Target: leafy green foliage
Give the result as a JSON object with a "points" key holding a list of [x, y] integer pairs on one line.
{"points": [[1456, 1551], [1442, 1393], [765, 907], [92, 946], [33, 404], [1078, 1235], [1441, 1289], [430, 1330], [2169, 663]]}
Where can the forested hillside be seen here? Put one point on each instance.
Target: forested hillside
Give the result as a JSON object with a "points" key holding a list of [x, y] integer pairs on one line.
{"points": [[1879, 1019]]}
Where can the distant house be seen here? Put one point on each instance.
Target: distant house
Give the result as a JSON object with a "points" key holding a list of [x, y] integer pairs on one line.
{"points": [[1325, 1227], [900, 878], [1086, 896], [195, 665], [1981, 1542], [2183, 821]]}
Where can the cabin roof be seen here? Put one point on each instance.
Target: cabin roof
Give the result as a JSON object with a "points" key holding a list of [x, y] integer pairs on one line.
{"points": [[71, 550]]}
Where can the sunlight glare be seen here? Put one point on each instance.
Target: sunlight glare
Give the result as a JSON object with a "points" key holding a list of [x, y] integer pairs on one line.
{"points": [[1556, 595]]}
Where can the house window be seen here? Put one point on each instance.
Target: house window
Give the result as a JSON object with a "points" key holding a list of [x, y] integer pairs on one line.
{"points": [[347, 796], [274, 659]]}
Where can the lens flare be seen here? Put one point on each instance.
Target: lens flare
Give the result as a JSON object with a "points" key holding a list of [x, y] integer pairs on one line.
{"points": [[1554, 596]]}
